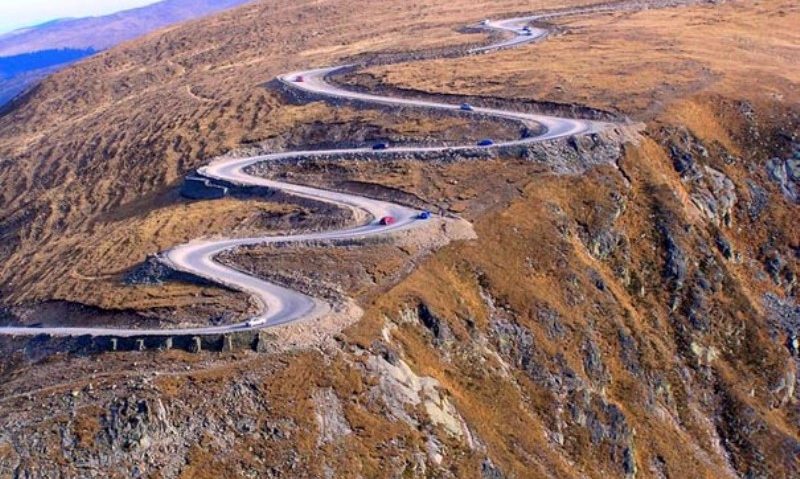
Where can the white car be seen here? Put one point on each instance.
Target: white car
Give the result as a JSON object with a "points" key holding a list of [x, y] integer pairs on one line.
{"points": [[256, 322]]}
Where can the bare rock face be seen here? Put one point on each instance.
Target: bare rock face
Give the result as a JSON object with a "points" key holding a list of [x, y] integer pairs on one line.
{"points": [[399, 387], [785, 172], [711, 190], [439, 329], [717, 198], [332, 424], [132, 424]]}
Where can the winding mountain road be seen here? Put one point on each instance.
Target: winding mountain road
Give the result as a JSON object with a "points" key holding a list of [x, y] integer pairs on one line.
{"points": [[279, 305]]}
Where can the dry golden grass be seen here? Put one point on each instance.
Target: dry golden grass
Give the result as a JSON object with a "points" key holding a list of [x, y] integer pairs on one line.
{"points": [[525, 263], [91, 272], [637, 64], [671, 65], [117, 132], [161, 105]]}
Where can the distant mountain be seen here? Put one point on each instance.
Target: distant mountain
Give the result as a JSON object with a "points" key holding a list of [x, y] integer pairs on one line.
{"points": [[11, 87], [17, 64], [27, 55], [103, 32]]}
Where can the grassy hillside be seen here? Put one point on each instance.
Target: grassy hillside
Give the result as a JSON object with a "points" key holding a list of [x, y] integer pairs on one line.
{"points": [[133, 121], [627, 310], [29, 55]]}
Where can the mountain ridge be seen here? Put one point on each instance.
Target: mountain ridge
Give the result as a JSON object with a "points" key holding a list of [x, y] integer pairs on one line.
{"points": [[92, 34], [104, 31]]}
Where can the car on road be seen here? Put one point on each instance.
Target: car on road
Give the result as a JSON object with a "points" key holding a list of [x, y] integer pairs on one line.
{"points": [[387, 220], [380, 146], [486, 142], [466, 107], [256, 322], [424, 215], [485, 22], [299, 79]]}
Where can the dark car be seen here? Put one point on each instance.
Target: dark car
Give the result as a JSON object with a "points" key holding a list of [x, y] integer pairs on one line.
{"points": [[380, 146], [486, 142], [424, 215], [387, 220], [466, 107], [299, 79]]}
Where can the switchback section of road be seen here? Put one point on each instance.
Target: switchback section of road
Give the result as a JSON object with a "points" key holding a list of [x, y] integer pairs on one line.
{"points": [[278, 305]]}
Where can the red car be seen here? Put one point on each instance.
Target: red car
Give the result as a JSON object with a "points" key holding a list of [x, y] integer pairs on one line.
{"points": [[388, 220]]}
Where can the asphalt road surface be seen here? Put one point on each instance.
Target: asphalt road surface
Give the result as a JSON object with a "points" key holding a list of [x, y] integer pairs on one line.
{"points": [[279, 305]]}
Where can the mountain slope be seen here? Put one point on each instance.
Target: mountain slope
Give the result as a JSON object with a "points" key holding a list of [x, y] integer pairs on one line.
{"points": [[87, 35], [628, 309]]}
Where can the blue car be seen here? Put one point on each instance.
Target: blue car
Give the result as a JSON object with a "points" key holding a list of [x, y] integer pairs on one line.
{"points": [[466, 107], [424, 215], [486, 142], [380, 146]]}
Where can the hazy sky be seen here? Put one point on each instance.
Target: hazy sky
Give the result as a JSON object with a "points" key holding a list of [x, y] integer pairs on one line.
{"points": [[23, 13]]}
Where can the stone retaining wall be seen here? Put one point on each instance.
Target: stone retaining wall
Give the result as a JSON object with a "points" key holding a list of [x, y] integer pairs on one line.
{"points": [[44, 344]]}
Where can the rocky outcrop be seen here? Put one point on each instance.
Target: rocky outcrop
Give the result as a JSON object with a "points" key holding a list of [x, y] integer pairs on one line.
{"points": [[580, 407], [332, 423], [785, 172], [711, 190], [154, 270]]}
